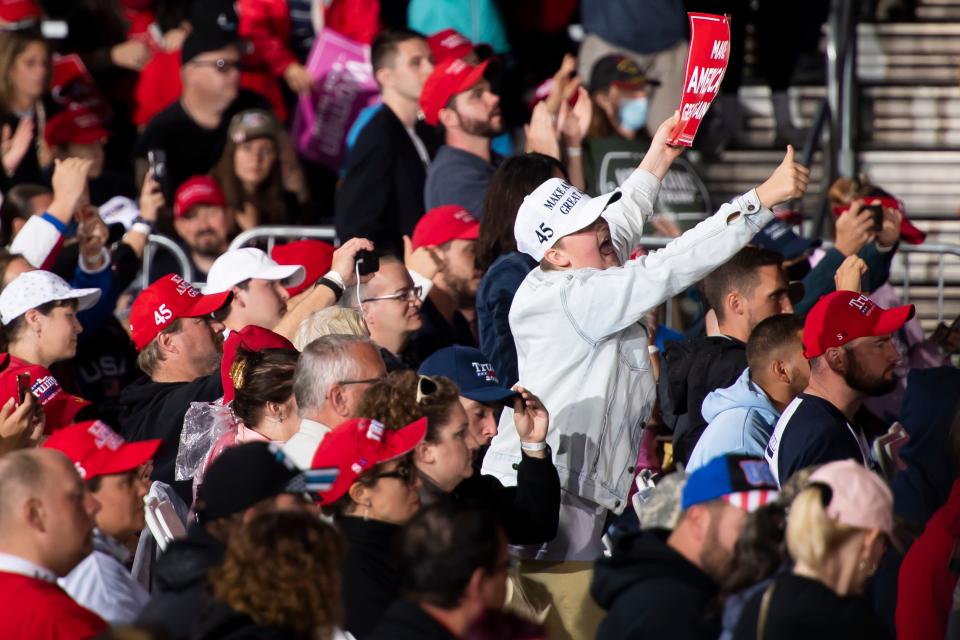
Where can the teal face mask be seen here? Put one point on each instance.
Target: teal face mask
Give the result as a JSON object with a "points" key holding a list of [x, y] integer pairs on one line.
{"points": [[633, 113]]}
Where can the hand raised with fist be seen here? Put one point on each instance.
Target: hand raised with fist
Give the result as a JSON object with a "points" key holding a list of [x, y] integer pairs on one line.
{"points": [[787, 182]]}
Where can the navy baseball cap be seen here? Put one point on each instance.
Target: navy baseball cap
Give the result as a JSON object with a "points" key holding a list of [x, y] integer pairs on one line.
{"points": [[778, 236], [742, 481], [470, 370]]}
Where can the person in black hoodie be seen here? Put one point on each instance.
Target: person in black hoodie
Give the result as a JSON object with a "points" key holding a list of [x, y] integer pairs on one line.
{"points": [[278, 580], [529, 511], [750, 287], [179, 351], [455, 570], [657, 581], [243, 482], [373, 496]]}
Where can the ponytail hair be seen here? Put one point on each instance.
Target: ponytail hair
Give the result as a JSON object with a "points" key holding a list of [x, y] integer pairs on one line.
{"points": [[260, 377], [812, 535]]}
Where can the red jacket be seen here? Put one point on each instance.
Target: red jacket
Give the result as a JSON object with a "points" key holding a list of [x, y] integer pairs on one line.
{"points": [[40, 610], [266, 24], [925, 585]]}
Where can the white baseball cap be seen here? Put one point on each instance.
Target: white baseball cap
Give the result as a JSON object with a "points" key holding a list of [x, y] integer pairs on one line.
{"points": [[238, 265], [31, 289], [555, 209]]}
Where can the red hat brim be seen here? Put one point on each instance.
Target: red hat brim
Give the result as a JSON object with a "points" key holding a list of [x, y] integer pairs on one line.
{"points": [[127, 458]]}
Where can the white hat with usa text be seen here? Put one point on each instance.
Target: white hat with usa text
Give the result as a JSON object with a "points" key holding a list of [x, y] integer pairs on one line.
{"points": [[555, 209]]}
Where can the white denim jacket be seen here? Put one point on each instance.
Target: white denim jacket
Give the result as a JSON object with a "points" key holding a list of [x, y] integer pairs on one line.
{"points": [[582, 348]]}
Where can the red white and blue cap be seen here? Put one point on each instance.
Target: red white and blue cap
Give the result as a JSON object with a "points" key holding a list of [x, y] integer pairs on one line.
{"points": [[470, 370], [742, 481]]}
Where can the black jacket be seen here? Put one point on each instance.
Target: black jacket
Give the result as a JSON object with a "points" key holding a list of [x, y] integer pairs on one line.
{"points": [[529, 512], [405, 620], [371, 577], [180, 595], [220, 622], [381, 196], [651, 591], [691, 369], [801, 608], [156, 410]]}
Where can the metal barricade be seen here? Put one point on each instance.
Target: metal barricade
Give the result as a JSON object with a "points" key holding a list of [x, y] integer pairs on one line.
{"points": [[163, 243], [271, 233]]}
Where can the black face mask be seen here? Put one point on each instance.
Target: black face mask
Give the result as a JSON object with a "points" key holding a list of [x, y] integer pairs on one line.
{"points": [[798, 271]]}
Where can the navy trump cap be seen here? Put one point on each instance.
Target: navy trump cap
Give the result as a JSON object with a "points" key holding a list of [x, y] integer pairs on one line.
{"points": [[470, 370]]}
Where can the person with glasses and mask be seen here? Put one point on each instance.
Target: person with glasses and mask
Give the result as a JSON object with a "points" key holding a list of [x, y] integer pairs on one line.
{"points": [[390, 303], [192, 132], [373, 492]]}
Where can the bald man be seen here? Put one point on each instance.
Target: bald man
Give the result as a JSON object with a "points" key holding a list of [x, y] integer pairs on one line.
{"points": [[46, 529]]}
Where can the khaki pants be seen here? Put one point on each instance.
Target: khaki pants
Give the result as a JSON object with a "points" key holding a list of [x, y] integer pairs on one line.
{"points": [[556, 594], [666, 66]]}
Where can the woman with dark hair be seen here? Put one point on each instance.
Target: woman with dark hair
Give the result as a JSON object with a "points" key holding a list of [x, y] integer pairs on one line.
{"points": [[24, 79], [374, 494], [497, 255], [251, 172], [278, 579]]}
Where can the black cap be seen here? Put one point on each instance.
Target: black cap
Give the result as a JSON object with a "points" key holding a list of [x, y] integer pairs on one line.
{"points": [[214, 26], [619, 70], [241, 477]]}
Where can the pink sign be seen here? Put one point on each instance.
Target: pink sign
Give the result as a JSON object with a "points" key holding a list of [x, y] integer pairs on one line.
{"points": [[344, 86], [706, 63]]}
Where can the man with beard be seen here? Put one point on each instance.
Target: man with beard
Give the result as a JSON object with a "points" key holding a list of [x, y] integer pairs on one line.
{"points": [[202, 222], [656, 580], [846, 338], [458, 97], [179, 349], [449, 310]]}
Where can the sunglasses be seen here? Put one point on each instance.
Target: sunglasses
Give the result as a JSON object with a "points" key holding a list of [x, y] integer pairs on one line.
{"points": [[404, 473], [426, 386]]}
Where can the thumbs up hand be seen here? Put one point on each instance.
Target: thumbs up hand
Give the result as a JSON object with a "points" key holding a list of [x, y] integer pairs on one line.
{"points": [[788, 181]]}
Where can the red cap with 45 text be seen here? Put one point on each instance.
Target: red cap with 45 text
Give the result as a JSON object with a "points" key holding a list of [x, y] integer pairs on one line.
{"points": [[843, 316], [164, 301]]}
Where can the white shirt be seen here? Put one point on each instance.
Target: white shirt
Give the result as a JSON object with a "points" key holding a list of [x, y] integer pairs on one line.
{"points": [[16, 564], [103, 584], [302, 446]]}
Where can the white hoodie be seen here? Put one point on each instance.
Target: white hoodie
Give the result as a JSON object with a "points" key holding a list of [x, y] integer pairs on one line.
{"points": [[582, 350]]}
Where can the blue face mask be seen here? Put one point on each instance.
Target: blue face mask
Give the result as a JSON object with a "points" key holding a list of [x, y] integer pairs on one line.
{"points": [[633, 113]]}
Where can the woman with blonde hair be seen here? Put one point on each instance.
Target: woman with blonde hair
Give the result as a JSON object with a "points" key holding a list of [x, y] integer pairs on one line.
{"points": [[279, 579], [333, 320], [838, 529]]}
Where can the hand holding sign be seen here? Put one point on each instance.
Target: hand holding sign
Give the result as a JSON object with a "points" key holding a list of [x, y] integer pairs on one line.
{"points": [[788, 181], [662, 151]]}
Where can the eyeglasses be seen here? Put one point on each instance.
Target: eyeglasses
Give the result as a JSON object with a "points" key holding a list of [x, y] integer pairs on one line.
{"points": [[220, 64], [426, 386], [365, 381], [404, 473], [409, 295]]}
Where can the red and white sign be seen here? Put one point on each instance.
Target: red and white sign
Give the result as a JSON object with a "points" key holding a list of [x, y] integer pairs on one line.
{"points": [[706, 63]]}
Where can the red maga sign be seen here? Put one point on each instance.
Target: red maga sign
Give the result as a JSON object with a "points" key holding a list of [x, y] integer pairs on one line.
{"points": [[706, 63]]}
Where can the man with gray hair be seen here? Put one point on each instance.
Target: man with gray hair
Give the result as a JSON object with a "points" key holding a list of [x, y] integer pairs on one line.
{"points": [[330, 378], [46, 529]]}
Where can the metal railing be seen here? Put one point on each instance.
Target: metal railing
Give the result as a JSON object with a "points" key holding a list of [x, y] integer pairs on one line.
{"points": [[271, 233], [157, 242]]}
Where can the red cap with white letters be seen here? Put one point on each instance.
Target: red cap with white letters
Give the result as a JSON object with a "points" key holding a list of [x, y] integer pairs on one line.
{"points": [[843, 316], [164, 301]]}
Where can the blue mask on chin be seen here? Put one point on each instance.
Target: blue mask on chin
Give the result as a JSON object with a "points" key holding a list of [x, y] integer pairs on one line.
{"points": [[633, 113]]}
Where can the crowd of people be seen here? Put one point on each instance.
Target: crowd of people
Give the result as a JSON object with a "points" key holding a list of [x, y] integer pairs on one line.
{"points": [[469, 416]]}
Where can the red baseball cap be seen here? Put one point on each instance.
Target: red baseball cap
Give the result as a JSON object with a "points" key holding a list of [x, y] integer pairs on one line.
{"points": [[19, 10], [908, 231], [360, 444], [164, 301], [77, 126], [450, 77], [59, 407], [447, 44], [315, 256], [97, 450], [843, 316], [196, 191], [443, 224], [251, 338]]}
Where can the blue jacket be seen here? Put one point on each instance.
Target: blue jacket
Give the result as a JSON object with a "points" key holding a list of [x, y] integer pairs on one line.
{"points": [[740, 419], [494, 297]]}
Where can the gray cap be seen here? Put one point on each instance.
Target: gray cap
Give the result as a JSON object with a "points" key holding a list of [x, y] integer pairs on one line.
{"points": [[660, 507]]}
